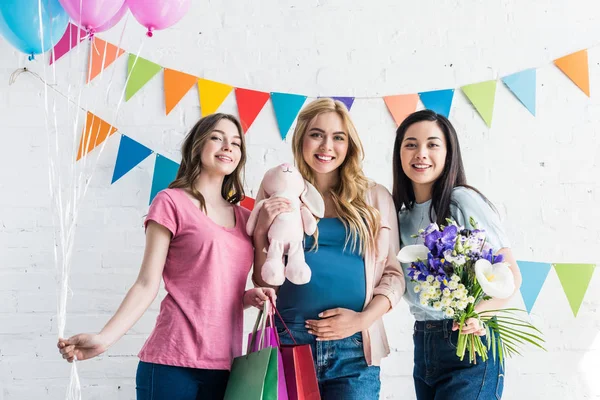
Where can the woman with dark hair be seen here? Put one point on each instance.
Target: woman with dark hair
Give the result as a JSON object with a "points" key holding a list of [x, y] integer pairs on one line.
{"points": [[196, 241], [430, 186]]}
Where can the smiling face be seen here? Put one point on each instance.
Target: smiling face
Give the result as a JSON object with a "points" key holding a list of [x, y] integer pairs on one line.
{"points": [[423, 155], [325, 143], [221, 150]]}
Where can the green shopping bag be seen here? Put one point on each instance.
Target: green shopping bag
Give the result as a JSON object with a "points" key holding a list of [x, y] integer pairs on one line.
{"points": [[254, 375]]}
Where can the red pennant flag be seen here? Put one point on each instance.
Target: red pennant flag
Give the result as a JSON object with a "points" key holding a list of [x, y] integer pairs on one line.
{"points": [[247, 203], [249, 103]]}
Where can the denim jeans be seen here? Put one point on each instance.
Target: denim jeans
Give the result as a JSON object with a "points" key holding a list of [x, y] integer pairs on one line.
{"points": [[440, 375], [162, 382], [342, 370]]}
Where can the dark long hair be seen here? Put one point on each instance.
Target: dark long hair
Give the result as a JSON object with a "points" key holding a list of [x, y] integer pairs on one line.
{"points": [[232, 189], [452, 176]]}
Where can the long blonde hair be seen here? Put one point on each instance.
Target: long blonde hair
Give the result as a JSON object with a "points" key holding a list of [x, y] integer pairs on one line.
{"points": [[350, 193], [232, 189]]}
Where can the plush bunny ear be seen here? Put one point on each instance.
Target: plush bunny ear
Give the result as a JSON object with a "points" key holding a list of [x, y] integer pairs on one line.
{"points": [[313, 200]]}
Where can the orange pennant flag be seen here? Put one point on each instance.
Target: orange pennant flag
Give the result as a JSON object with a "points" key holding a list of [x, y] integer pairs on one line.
{"points": [[177, 84], [98, 50], [575, 66], [96, 131], [401, 106]]}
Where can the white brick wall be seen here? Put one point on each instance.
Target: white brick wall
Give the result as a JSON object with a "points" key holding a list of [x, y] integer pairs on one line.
{"points": [[541, 172]]}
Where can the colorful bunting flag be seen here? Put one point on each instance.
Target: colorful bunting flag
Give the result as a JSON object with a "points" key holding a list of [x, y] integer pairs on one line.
{"points": [[177, 84], [248, 203], [534, 275], [523, 86], [212, 94], [348, 101], [130, 154], [482, 96], [95, 132], [575, 279], [438, 101], [286, 107], [401, 106], [139, 71], [575, 66], [102, 55], [250, 103], [165, 172], [67, 42]]}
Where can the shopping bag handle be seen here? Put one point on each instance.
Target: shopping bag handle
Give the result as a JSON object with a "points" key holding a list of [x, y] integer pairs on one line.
{"points": [[284, 325], [261, 319]]}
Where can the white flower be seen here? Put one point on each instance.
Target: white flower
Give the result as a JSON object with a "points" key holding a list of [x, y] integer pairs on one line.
{"points": [[417, 289], [453, 285], [461, 287], [437, 284], [458, 259], [437, 305], [424, 302], [425, 285], [471, 299], [462, 304], [454, 304], [438, 292], [446, 292], [458, 294], [449, 313], [430, 279], [425, 295], [455, 278], [496, 280], [412, 253], [446, 301]]}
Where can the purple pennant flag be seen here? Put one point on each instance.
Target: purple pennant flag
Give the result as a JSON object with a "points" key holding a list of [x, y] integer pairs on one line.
{"points": [[348, 101]]}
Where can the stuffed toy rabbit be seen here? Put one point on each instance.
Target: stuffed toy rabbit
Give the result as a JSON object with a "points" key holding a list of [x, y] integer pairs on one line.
{"points": [[286, 233]]}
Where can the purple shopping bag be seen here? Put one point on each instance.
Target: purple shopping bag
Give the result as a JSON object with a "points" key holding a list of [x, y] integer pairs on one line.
{"points": [[271, 339]]}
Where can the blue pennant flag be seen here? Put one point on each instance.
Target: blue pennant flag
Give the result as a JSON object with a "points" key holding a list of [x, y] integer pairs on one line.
{"points": [[523, 86], [130, 154], [286, 106], [438, 101], [534, 275], [165, 172], [348, 101]]}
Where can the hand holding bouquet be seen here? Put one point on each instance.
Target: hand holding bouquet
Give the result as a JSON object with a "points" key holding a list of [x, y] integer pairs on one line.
{"points": [[454, 271]]}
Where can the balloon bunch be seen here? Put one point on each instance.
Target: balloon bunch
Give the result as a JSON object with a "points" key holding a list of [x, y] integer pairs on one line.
{"points": [[35, 26]]}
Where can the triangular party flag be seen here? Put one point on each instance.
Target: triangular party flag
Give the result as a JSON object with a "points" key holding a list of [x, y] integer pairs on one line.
{"points": [[575, 66], [575, 279], [348, 101], [286, 106], [177, 84], [212, 94], [95, 132], [140, 71], [165, 172], [438, 101], [249, 103], [247, 203], [401, 106], [67, 42], [482, 96], [534, 275], [102, 55], [523, 86], [130, 154]]}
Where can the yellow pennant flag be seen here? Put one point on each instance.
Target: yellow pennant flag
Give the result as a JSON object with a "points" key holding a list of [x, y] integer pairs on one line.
{"points": [[212, 95]]}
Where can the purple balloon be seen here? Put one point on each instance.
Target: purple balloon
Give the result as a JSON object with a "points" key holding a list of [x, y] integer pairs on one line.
{"points": [[91, 14], [158, 14], [114, 20]]}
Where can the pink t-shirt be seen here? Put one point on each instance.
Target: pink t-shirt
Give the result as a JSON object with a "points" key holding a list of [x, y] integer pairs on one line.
{"points": [[201, 318]]}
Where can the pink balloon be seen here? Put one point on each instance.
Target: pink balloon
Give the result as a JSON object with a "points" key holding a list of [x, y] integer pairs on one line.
{"points": [[114, 20], [158, 14], [90, 14]]}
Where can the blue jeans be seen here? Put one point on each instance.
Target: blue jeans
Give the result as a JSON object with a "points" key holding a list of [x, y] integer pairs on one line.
{"points": [[342, 370], [166, 382], [440, 375]]}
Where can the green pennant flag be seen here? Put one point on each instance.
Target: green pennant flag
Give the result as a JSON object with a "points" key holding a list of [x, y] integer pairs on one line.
{"points": [[575, 279], [482, 96], [139, 71]]}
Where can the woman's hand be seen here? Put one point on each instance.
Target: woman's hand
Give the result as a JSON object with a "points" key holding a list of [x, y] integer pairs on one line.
{"points": [[472, 325], [271, 208], [338, 323], [81, 347], [256, 297]]}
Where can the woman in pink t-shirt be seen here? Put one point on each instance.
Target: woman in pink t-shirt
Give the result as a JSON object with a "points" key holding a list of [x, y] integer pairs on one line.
{"points": [[196, 241]]}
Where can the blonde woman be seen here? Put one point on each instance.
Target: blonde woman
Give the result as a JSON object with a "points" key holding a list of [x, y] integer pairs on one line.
{"points": [[355, 275]]}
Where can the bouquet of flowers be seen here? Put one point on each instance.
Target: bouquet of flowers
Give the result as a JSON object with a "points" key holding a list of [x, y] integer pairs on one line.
{"points": [[454, 271]]}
